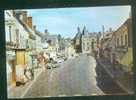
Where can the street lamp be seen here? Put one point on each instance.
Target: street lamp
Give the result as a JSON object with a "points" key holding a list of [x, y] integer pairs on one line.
{"points": [[32, 69], [10, 33], [34, 64]]}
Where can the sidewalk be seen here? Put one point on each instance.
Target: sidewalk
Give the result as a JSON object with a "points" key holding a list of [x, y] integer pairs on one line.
{"points": [[120, 76], [17, 92]]}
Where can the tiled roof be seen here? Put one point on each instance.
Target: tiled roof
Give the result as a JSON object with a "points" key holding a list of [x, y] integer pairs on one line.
{"points": [[27, 28]]}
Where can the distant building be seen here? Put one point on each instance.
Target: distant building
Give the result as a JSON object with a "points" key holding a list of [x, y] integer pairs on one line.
{"points": [[52, 40], [106, 44], [69, 48], [62, 46], [77, 41], [50, 43], [89, 41], [38, 45], [84, 41]]}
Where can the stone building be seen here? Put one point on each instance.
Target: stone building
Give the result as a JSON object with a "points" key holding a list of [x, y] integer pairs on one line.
{"points": [[77, 41], [50, 43], [106, 44], [69, 48], [84, 41], [122, 38]]}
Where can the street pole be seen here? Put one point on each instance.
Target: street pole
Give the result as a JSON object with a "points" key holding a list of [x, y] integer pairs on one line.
{"points": [[103, 29], [10, 33], [32, 69]]}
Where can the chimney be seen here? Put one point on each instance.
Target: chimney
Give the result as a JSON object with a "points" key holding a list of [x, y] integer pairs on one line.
{"points": [[24, 15], [103, 30], [34, 27], [110, 29], [29, 22], [78, 30], [46, 32]]}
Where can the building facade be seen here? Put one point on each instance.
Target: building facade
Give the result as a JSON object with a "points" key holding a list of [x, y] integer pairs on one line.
{"points": [[89, 43], [123, 44], [19, 39]]}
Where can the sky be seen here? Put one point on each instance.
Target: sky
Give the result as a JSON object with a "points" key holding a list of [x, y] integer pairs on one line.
{"points": [[65, 21]]}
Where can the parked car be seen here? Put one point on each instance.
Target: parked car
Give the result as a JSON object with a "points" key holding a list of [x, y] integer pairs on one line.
{"points": [[58, 59], [49, 66], [52, 64]]}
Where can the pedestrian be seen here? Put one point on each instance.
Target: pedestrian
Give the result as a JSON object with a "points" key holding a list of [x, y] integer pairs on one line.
{"points": [[27, 74], [101, 52], [96, 52], [42, 60], [114, 61], [46, 59]]}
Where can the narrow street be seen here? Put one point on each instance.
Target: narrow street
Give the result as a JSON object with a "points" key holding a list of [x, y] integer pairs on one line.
{"points": [[61, 55], [75, 77]]}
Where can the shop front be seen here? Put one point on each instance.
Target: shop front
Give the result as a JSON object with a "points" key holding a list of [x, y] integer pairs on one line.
{"points": [[11, 67]]}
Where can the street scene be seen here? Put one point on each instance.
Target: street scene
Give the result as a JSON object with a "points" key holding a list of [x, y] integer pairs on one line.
{"points": [[66, 52]]}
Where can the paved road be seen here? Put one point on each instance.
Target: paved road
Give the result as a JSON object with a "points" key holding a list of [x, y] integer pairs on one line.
{"points": [[75, 77]]}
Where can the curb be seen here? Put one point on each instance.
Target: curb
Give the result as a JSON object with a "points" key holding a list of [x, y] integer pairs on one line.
{"points": [[112, 76], [22, 96]]}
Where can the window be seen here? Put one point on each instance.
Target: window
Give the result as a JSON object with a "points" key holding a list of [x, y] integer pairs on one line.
{"points": [[121, 40], [117, 42], [92, 40], [27, 43], [92, 44], [87, 48], [17, 37], [126, 40]]}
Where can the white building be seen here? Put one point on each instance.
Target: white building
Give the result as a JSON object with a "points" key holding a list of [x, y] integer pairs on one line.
{"points": [[89, 41], [39, 45], [19, 37], [69, 49], [51, 44], [15, 39]]}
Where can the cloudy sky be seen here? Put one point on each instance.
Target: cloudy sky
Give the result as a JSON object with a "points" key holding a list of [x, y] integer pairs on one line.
{"points": [[65, 21]]}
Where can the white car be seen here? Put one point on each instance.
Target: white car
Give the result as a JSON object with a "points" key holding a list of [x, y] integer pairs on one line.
{"points": [[59, 60]]}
